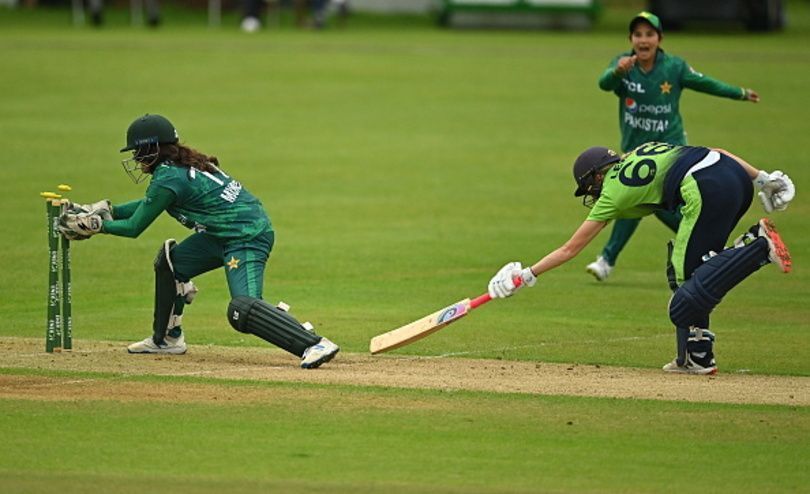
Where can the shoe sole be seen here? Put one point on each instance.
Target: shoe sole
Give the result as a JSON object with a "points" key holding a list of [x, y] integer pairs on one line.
{"points": [[326, 358], [778, 246], [595, 274], [159, 352]]}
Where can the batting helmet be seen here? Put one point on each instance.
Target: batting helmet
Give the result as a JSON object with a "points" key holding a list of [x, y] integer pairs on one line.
{"points": [[150, 129], [592, 161]]}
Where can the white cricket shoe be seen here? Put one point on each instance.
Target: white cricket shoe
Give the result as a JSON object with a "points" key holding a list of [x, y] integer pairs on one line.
{"points": [[171, 346], [600, 269], [690, 367], [319, 354], [777, 250]]}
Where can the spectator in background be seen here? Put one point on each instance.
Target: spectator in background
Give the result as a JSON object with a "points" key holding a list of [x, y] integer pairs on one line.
{"points": [[96, 8], [251, 15], [308, 13]]}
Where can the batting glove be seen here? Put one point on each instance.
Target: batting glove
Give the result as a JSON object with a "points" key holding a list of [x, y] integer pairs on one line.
{"points": [[776, 190], [503, 284]]}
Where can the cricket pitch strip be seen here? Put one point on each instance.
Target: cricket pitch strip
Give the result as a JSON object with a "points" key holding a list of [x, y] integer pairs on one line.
{"points": [[26, 357]]}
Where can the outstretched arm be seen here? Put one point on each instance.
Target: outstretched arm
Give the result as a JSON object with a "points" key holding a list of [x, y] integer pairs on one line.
{"points": [[581, 238], [503, 283], [146, 211], [699, 82]]}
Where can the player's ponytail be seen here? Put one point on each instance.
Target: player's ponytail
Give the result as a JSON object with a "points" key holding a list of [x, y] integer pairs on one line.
{"points": [[185, 156]]}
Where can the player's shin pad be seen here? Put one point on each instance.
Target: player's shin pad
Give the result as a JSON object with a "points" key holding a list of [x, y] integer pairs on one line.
{"points": [[694, 300], [257, 317], [170, 293], [165, 291]]}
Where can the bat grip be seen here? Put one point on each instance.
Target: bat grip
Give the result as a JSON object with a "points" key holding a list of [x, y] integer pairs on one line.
{"points": [[482, 299]]}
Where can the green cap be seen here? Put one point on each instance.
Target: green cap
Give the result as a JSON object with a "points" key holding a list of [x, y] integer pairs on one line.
{"points": [[648, 17]]}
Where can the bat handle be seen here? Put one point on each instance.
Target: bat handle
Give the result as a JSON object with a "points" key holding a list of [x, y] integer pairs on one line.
{"points": [[482, 299]]}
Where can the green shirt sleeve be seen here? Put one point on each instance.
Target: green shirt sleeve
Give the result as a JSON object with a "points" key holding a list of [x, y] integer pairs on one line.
{"points": [[146, 211], [610, 81], [696, 81], [125, 210]]}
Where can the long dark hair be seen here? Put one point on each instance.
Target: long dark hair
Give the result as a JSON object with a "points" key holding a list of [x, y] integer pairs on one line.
{"points": [[186, 157]]}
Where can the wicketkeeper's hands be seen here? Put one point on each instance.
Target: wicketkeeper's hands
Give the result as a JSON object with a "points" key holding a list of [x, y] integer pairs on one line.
{"points": [[503, 284], [79, 226], [102, 208], [776, 190]]}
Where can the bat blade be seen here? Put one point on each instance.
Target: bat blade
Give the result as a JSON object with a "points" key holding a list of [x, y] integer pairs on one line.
{"points": [[419, 329]]}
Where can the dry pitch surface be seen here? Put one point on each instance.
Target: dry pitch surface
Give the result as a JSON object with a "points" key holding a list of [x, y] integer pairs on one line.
{"points": [[266, 364]]}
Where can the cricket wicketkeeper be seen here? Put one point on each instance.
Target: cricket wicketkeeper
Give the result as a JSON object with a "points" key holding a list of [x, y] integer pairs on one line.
{"points": [[714, 189], [231, 230]]}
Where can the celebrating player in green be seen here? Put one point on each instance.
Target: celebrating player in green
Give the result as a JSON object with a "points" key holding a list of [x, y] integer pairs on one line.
{"points": [[231, 230], [649, 83], [714, 189]]}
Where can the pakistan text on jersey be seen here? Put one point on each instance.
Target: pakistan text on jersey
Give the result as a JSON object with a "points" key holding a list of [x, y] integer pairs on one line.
{"points": [[231, 192], [646, 124]]}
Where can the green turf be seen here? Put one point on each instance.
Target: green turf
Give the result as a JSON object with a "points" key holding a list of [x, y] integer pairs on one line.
{"points": [[402, 167], [372, 440]]}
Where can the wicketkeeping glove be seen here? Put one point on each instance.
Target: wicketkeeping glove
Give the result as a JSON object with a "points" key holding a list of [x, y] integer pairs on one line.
{"points": [[503, 284], [776, 190], [79, 226], [102, 208]]}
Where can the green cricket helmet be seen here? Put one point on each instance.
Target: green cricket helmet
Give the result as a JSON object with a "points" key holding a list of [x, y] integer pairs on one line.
{"points": [[587, 166], [148, 130], [144, 137]]}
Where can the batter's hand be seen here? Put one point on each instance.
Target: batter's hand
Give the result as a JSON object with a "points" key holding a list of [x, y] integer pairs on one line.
{"points": [[624, 64], [503, 284], [79, 226], [777, 190]]}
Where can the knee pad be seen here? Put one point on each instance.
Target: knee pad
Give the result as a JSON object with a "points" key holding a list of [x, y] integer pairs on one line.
{"points": [[257, 317], [165, 269]]}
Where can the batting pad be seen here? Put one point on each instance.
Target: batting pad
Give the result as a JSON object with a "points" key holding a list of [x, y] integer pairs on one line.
{"points": [[254, 316], [692, 303]]}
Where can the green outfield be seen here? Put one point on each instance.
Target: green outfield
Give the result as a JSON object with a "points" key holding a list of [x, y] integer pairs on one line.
{"points": [[401, 166]]}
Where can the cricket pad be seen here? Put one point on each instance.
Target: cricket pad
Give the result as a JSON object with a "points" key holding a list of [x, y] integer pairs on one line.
{"points": [[257, 317], [692, 303]]}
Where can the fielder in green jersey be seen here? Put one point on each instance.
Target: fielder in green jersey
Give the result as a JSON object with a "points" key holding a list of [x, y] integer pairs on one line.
{"points": [[649, 83], [713, 188], [231, 230]]}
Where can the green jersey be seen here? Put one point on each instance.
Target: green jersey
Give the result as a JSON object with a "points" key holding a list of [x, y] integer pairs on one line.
{"points": [[210, 202], [644, 180], [649, 101]]}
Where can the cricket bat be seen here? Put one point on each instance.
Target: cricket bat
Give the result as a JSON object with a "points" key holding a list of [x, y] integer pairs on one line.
{"points": [[428, 325]]}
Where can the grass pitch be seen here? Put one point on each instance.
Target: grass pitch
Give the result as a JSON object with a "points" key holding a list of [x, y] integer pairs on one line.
{"points": [[401, 168]]}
